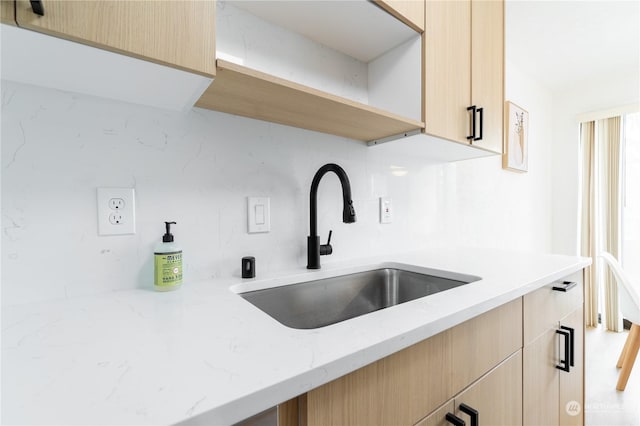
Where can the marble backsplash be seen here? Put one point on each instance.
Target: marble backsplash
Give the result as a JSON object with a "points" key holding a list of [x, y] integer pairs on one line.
{"points": [[197, 168]]}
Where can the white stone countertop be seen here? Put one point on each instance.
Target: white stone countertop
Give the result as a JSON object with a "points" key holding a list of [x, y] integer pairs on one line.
{"points": [[206, 355]]}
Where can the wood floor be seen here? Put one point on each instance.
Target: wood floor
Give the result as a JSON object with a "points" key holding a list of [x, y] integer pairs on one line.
{"points": [[604, 405]]}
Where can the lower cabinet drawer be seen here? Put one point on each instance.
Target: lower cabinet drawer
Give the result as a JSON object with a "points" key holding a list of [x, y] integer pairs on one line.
{"points": [[544, 307]]}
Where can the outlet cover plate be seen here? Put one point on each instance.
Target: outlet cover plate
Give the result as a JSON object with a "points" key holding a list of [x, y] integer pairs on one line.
{"points": [[386, 210], [120, 203]]}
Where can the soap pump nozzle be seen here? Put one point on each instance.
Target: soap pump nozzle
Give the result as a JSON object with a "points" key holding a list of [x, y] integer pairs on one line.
{"points": [[168, 236]]}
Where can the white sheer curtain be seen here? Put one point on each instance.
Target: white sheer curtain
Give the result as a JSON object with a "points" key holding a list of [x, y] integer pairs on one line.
{"points": [[600, 214], [587, 222], [609, 140]]}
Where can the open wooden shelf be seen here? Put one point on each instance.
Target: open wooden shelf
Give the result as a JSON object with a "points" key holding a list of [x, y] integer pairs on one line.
{"points": [[242, 91]]}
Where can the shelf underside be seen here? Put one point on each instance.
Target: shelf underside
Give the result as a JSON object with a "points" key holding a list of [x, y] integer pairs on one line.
{"points": [[241, 91], [359, 28]]}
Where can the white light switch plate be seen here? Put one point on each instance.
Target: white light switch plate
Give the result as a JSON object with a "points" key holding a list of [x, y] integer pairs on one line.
{"points": [[386, 210], [258, 214], [116, 211]]}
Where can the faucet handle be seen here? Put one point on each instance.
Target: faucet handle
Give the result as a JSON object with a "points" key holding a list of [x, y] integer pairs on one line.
{"points": [[326, 249]]}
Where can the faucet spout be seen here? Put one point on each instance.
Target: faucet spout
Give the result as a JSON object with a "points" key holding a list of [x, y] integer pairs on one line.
{"points": [[314, 249]]}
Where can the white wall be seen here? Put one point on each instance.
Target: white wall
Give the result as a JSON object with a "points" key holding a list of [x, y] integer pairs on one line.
{"points": [[197, 168], [500, 208], [611, 91]]}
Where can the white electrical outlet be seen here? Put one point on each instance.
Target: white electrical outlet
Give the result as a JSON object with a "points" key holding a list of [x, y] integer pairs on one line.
{"points": [[116, 218], [116, 211], [116, 203]]}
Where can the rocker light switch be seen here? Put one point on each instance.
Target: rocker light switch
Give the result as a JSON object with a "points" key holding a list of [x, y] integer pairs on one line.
{"points": [[258, 215]]}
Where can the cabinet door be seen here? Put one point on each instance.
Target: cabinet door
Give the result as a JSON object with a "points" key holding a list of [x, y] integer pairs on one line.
{"points": [[177, 33], [7, 12], [553, 396], [397, 390], [497, 396], [447, 62], [487, 69], [572, 383], [481, 343], [540, 380]]}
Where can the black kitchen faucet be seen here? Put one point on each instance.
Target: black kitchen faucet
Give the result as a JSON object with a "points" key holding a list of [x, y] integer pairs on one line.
{"points": [[314, 248]]}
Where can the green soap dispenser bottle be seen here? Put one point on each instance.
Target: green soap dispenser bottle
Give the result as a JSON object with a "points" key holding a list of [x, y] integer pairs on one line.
{"points": [[167, 262]]}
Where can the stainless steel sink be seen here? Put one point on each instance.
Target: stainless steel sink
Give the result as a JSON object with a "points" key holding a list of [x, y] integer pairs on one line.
{"points": [[318, 303]]}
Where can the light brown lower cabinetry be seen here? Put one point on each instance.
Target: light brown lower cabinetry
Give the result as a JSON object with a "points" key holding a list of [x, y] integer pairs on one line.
{"points": [[572, 383], [404, 387], [541, 381], [501, 363], [553, 396], [496, 398], [482, 343], [397, 390]]}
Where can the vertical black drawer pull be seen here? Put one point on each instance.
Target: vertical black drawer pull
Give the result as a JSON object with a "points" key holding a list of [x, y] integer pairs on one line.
{"points": [[564, 363], [37, 7], [472, 412], [564, 286], [454, 420], [472, 108], [572, 346], [480, 111]]}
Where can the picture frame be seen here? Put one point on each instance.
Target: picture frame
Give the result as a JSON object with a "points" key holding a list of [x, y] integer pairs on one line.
{"points": [[515, 155]]}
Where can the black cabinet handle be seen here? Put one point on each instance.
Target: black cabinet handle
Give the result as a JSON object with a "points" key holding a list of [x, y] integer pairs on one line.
{"points": [[37, 7], [565, 286], [572, 346], [473, 109], [472, 412], [480, 111], [454, 420], [564, 363]]}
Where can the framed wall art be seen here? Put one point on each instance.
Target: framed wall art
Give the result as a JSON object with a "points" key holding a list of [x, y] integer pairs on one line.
{"points": [[515, 156]]}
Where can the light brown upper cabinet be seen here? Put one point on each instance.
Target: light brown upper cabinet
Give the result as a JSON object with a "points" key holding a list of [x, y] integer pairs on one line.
{"points": [[464, 71], [7, 12], [180, 34], [411, 12]]}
